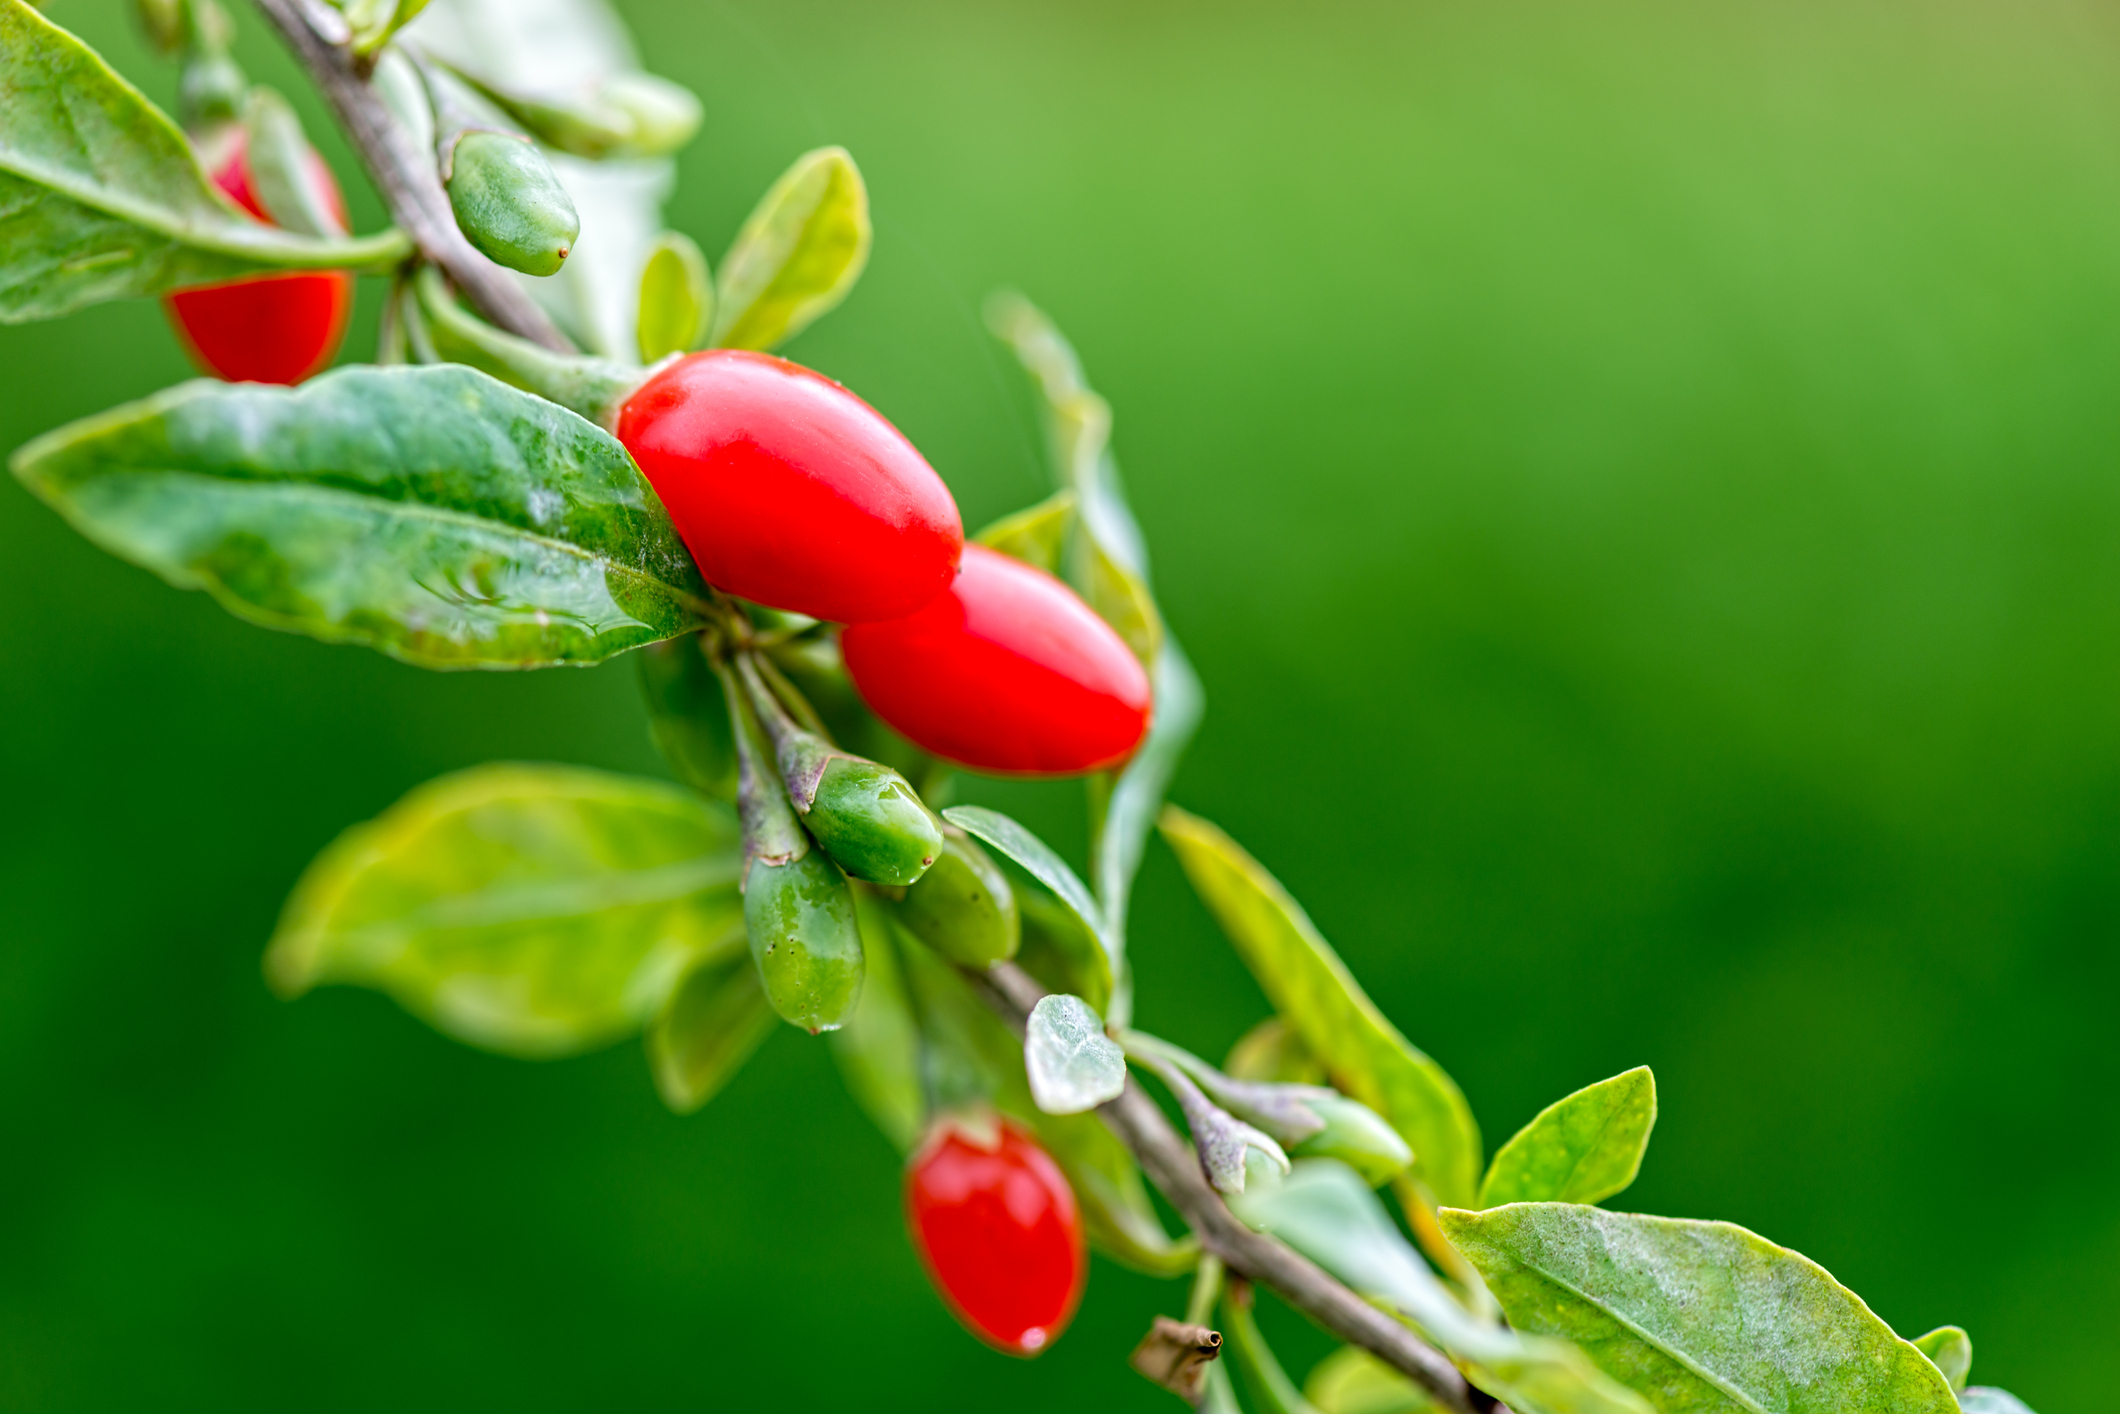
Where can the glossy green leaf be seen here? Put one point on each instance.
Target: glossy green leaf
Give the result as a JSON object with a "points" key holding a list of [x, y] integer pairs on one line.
{"points": [[878, 1049], [1352, 1381], [1036, 534], [1327, 1212], [797, 255], [101, 197], [1950, 1350], [676, 297], [688, 717], [1985, 1399], [433, 514], [1581, 1149], [1320, 1000], [1696, 1316], [532, 910], [713, 1022], [1071, 1064]]}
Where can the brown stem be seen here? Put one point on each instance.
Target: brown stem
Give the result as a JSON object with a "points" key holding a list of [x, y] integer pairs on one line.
{"points": [[1174, 1168], [406, 177]]}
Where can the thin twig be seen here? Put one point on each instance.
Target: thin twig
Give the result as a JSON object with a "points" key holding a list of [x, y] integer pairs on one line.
{"points": [[1174, 1168], [407, 179]]}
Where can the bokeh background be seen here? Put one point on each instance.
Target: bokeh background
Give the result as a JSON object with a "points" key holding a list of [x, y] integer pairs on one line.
{"points": [[1639, 481]]}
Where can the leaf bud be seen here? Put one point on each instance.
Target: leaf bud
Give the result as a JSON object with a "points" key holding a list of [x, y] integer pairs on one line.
{"points": [[508, 203], [1357, 1136], [963, 906]]}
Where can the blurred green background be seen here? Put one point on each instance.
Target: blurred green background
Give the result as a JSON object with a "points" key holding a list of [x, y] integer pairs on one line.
{"points": [[1639, 483]]}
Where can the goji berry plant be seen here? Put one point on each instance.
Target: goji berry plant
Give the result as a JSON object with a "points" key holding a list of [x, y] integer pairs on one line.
{"points": [[574, 443]]}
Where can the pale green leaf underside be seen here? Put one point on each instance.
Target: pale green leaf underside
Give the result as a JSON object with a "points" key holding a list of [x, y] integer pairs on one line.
{"points": [[533, 910], [1320, 1000], [1580, 1149], [1700, 1317], [101, 197], [432, 513], [1984, 1399], [1071, 1064]]}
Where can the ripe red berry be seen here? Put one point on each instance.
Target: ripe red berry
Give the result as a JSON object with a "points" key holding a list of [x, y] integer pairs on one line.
{"points": [[789, 490], [1009, 671], [270, 328], [998, 1228]]}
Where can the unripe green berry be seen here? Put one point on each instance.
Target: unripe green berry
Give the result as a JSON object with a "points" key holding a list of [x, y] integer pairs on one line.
{"points": [[963, 906], [509, 204], [870, 821], [800, 920]]}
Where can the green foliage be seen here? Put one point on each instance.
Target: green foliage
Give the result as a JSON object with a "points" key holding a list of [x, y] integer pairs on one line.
{"points": [[509, 204], [1981, 1399], [1326, 1212], [713, 1022], [1696, 1316], [1322, 1003], [279, 160], [797, 255], [963, 906], [1352, 1381], [1950, 1350], [432, 514], [101, 197], [1072, 1066], [1036, 534], [1581, 1149], [533, 910], [1247, 1349], [688, 716], [676, 298]]}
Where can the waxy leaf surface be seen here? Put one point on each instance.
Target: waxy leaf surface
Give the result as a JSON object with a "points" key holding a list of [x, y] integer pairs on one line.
{"points": [[797, 255], [1327, 1212], [1072, 1065], [101, 197], [532, 910], [434, 514], [1315, 994], [1699, 1317], [712, 1023], [1580, 1149]]}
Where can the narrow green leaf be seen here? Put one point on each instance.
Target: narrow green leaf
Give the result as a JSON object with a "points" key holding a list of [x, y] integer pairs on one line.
{"points": [[1984, 1399], [1697, 1316], [1315, 994], [1071, 1064], [878, 1049], [1057, 947], [1036, 534], [676, 297], [1581, 1149], [101, 198], [433, 514], [1035, 855], [1269, 1383], [713, 1022], [688, 715], [797, 256], [1325, 1211], [1352, 1381], [1950, 1350], [532, 910], [1137, 796]]}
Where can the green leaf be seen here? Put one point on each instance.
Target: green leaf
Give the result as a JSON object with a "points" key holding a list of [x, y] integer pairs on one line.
{"points": [[1320, 1000], [101, 197], [1117, 1214], [1072, 1065], [1270, 1385], [1352, 1381], [676, 297], [1581, 1149], [1035, 534], [1950, 1350], [1048, 868], [1697, 1316], [1325, 1211], [433, 514], [797, 256], [279, 160], [688, 715], [1137, 797], [878, 1049], [714, 1021], [1984, 1399], [533, 910]]}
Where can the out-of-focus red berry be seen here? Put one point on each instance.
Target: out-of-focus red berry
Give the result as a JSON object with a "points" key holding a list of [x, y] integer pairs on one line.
{"points": [[998, 1228], [269, 328], [789, 490], [1009, 671]]}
